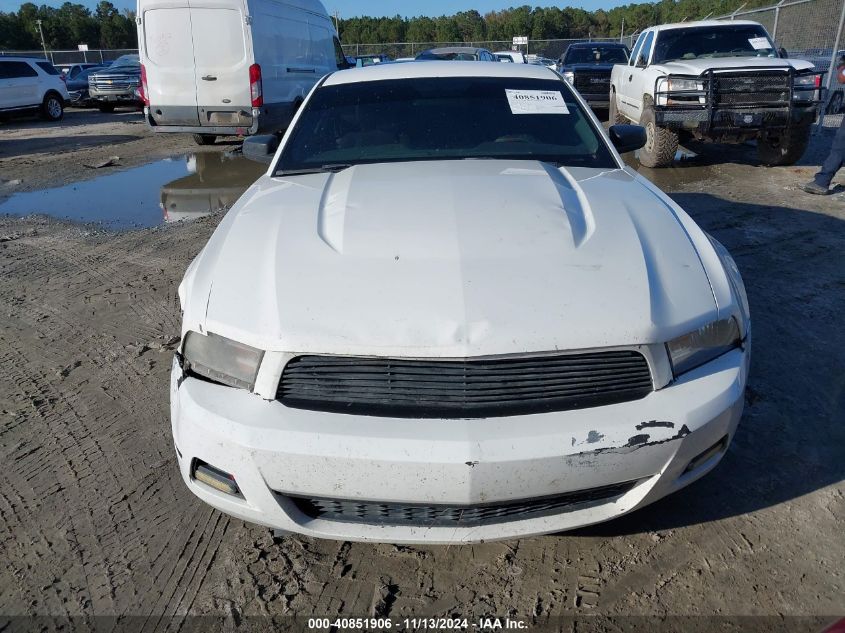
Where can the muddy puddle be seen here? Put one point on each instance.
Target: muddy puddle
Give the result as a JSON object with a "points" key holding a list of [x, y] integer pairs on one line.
{"points": [[169, 190]]}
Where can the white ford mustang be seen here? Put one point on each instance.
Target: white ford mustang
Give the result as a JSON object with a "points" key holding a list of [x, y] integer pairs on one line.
{"points": [[450, 313]]}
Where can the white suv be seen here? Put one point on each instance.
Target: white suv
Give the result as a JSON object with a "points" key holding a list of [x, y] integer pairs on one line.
{"points": [[28, 85]]}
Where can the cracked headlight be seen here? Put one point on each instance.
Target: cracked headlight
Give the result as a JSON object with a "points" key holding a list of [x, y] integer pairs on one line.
{"points": [[703, 345], [221, 360]]}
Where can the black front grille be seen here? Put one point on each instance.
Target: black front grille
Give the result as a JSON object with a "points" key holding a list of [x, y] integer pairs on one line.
{"points": [[592, 82], [473, 388], [736, 89], [422, 515]]}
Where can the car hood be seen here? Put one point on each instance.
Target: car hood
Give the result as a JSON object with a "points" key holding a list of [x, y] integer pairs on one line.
{"points": [[698, 66], [449, 259]]}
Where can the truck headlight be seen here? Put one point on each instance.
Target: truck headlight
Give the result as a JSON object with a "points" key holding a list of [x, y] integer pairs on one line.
{"points": [[703, 345], [569, 76], [674, 85], [807, 81], [221, 359]]}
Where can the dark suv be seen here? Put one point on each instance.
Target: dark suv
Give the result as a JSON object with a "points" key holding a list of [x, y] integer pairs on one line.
{"points": [[116, 85], [587, 66]]}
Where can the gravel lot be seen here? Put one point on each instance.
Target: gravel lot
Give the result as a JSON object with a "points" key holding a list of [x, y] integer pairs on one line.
{"points": [[94, 519]]}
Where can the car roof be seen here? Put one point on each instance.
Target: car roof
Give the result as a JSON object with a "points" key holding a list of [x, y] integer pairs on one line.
{"points": [[381, 72], [686, 25]]}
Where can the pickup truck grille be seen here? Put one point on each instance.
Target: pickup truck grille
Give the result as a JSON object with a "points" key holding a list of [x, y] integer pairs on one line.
{"points": [[760, 88], [438, 515], [114, 82], [472, 388], [592, 82]]}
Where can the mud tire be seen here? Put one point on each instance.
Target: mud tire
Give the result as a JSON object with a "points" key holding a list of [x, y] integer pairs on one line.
{"points": [[661, 144]]}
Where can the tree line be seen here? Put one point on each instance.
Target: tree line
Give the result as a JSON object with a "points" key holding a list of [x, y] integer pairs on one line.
{"points": [[67, 26], [538, 23], [106, 27]]}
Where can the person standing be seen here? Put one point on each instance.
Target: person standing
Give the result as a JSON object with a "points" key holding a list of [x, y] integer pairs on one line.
{"points": [[820, 184]]}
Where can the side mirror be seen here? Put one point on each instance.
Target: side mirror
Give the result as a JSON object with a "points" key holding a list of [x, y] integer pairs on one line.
{"points": [[782, 53], [627, 138], [261, 148]]}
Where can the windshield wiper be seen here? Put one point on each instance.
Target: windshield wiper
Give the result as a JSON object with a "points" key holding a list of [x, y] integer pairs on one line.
{"points": [[333, 168]]}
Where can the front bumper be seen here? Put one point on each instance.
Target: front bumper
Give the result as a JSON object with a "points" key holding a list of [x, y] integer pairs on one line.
{"points": [[597, 100], [732, 120], [274, 451]]}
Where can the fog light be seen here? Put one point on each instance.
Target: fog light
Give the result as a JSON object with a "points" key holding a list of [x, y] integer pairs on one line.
{"points": [[710, 453], [214, 477]]}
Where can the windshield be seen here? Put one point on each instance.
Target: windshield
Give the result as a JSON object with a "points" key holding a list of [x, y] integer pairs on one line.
{"points": [[127, 61], [459, 56], [596, 55], [700, 42], [442, 118]]}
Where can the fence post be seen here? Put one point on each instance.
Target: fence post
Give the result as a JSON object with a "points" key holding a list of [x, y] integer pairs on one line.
{"points": [[834, 53], [777, 17]]}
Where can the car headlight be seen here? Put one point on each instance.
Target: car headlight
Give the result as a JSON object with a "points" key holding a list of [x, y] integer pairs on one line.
{"points": [[703, 345], [569, 76], [221, 359], [673, 85], [807, 81]]}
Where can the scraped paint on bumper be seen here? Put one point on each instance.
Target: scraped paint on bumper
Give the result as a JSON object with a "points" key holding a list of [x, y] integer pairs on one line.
{"points": [[274, 452]]}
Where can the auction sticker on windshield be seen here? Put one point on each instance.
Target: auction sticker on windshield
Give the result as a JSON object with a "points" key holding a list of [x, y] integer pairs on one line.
{"points": [[759, 43], [536, 102]]}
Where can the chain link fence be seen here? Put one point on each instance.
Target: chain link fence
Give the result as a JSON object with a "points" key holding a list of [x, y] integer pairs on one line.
{"points": [[548, 49], [810, 30], [95, 56]]}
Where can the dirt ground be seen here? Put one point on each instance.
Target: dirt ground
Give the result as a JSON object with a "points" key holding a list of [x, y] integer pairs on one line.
{"points": [[95, 520]]}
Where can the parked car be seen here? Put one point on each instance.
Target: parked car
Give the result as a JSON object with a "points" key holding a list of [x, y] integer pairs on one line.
{"points": [[77, 87], [370, 60], [511, 56], [715, 80], [71, 71], [482, 329], [457, 53], [116, 85], [31, 86], [541, 61], [587, 66], [246, 67]]}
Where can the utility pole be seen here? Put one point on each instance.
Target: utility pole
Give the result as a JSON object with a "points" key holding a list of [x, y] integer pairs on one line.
{"points": [[622, 35], [336, 23], [41, 32]]}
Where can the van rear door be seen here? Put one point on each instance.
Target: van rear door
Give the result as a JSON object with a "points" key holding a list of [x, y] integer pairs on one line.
{"points": [[169, 62], [222, 65]]}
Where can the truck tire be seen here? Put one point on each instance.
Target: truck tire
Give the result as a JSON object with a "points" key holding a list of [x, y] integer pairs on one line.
{"points": [[204, 139], [661, 144], [787, 149], [615, 117], [53, 107], [105, 107]]}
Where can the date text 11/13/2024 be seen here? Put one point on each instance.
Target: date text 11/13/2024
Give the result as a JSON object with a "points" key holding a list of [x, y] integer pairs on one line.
{"points": [[416, 624]]}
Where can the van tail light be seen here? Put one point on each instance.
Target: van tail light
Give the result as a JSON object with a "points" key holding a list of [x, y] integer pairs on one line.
{"points": [[145, 92], [255, 89]]}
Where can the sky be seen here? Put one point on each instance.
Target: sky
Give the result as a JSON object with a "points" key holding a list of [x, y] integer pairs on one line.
{"points": [[352, 8]]}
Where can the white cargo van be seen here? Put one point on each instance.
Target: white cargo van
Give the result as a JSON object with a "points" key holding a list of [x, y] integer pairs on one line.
{"points": [[222, 67]]}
